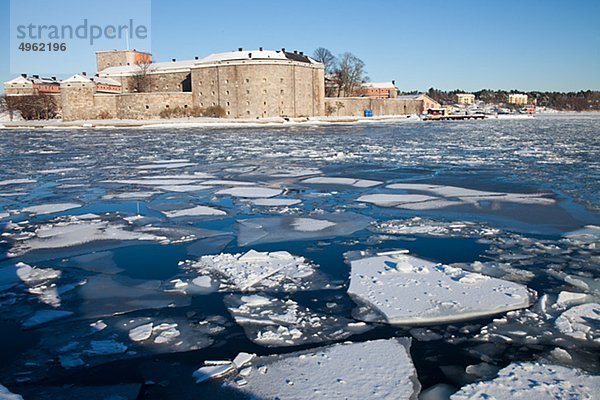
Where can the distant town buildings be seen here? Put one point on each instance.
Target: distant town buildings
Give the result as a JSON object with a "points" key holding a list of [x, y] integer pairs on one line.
{"points": [[379, 90], [517, 98], [465, 98]]}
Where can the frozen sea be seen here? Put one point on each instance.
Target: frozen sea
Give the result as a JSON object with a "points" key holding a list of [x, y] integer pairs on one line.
{"points": [[130, 258]]}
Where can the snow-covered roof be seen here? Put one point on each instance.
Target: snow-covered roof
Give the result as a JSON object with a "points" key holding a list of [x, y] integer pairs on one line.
{"points": [[105, 81], [77, 78], [379, 85], [410, 96], [44, 81], [19, 79], [231, 56]]}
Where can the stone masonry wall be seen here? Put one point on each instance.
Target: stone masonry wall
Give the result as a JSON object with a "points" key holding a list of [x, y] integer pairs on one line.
{"points": [[355, 106], [149, 105]]}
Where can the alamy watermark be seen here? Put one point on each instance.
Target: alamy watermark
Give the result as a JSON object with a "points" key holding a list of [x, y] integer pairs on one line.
{"points": [[63, 37]]}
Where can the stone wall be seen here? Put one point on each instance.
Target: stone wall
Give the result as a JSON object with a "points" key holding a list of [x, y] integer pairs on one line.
{"points": [[149, 105], [105, 105], [78, 101], [117, 58], [355, 106], [259, 90]]}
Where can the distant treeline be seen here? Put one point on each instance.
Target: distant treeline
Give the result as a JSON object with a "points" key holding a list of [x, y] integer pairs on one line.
{"points": [[572, 101]]}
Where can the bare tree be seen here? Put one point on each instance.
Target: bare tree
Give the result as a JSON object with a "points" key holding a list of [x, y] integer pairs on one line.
{"points": [[349, 74], [36, 106], [326, 58], [141, 77], [8, 104]]}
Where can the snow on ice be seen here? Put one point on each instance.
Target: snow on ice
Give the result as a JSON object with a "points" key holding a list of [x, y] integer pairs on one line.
{"points": [[407, 290], [529, 381], [373, 369]]}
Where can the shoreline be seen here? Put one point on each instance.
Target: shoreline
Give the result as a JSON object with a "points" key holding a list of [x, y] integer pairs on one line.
{"points": [[204, 122]]}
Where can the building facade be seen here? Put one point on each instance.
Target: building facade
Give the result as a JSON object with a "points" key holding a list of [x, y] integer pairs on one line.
{"points": [[379, 90], [517, 98], [465, 98]]}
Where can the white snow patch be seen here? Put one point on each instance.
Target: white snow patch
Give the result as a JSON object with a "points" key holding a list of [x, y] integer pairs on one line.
{"points": [[6, 394], [311, 224], [407, 290], [275, 202], [379, 369], [325, 180], [194, 211], [141, 333], [529, 381], [212, 371], [254, 270], [581, 322], [250, 192], [50, 208]]}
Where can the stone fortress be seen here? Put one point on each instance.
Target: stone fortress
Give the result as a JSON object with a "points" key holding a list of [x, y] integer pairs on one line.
{"points": [[244, 84]]}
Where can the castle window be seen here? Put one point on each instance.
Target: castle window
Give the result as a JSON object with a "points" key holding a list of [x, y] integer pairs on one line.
{"points": [[228, 103], [228, 112], [281, 80], [213, 93], [147, 106], [212, 82], [227, 92], [265, 91], [226, 81], [247, 92], [167, 106], [214, 104], [248, 112], [248, 81], [264, 80], [281, 91], [265, 103], [185, 106], [247, 103], [200, 83]]}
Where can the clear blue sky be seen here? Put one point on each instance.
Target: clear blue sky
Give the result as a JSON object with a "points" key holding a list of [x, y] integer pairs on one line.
{"points": [[507, 44]]}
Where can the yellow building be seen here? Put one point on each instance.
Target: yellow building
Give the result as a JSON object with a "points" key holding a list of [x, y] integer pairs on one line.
{"points": [[517, 98], [465, 98]]}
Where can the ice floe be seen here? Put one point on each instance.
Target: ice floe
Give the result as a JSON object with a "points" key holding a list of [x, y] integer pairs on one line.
{"points": [[359, 183], [285, 228], [581, 322], [275, 322], [250, 192], [275, 202], [50, 208], [253, 270], [374, 369], [533, 381], [194, 211], [407, 290], [427, 227], [6, 394]]}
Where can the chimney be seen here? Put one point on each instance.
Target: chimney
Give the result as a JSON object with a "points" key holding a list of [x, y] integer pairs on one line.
{"points": [[97, 75], [249, 55], [36, 77], [301, 53], [283, 49], [53, 78], [295, 51], [240, 49], [260, 48], [195, 58], [24, 75], [173, 60], [84, 73]]}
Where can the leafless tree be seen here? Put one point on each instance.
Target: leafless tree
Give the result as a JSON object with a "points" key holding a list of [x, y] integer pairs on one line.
{"points": [[141, 77], [326, 58], [36, 106], [8, 104], [349, 74]]}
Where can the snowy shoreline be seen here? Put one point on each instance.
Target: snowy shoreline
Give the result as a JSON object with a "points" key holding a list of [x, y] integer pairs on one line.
{"points": [[204, 122]]}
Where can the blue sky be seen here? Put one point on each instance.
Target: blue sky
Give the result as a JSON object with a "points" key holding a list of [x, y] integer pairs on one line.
{"points": [[525, 45]]}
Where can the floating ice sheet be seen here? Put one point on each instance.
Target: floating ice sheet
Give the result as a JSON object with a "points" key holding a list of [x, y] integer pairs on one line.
{"points": [[275, 322], [253, 270], [6, 394], [194, 212], [427, 227], [50, 208], [380, 369], [581, 322], [275, 202], [250, 192], [407, 290], [359, 183], [533, 381], [289, 228]]}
